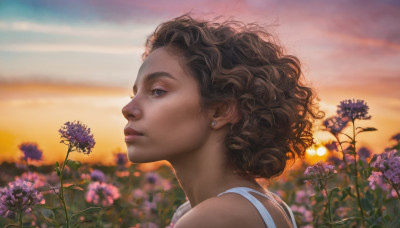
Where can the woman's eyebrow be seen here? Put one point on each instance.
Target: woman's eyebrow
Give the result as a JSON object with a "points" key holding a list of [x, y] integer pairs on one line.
{"points": [[154, 76]]}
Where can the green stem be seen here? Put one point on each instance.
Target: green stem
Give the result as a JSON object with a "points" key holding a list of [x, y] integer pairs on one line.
{"points": [[20, 219], [355, 174], [329, 207], [62, 188], [397, 191], [27, 165], [341, 148], [391, 183], [98, 221]]}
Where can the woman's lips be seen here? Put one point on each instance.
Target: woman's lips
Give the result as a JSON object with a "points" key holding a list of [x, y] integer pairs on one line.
{"points": [[131, 134]]}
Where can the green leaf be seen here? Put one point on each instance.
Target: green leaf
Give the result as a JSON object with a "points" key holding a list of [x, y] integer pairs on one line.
{"points": [[74, 187], [337, 189], [348, 136], [348, 191], [75, 165], [367, 129], [344, 195], [366, 204], [376, 226], [87, 210], [48, 215], [345, 220], [57, 164], [57, 169]]}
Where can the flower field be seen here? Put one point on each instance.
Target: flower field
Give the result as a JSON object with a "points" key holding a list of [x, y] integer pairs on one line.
{"points": [[355, 187], [95, 196]]}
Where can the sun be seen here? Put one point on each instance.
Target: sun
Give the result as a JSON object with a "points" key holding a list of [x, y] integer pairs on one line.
{"points": [[316, 153]]}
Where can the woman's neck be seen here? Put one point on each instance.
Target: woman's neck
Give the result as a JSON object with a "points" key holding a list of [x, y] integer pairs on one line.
{"points": [[205, 173]]}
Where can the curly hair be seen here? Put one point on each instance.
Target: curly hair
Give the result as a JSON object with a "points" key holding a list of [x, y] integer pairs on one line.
{"points": [[240, 64]]}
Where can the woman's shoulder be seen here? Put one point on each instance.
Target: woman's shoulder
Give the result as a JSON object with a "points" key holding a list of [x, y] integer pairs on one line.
{"points": [[230, 210], [226, 210]]}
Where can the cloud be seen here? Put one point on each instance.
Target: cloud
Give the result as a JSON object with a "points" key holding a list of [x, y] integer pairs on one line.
{"points": [[132, 31], [83, 48]]}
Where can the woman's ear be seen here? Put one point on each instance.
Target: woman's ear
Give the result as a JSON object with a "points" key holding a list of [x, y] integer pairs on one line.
{"points": [[223, 114]]}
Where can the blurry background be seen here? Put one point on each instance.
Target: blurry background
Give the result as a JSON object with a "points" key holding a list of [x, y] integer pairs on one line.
{"points": [[77, 60]]}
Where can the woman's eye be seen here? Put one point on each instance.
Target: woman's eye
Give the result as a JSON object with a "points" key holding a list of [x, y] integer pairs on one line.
{"points": [[158, 92]]}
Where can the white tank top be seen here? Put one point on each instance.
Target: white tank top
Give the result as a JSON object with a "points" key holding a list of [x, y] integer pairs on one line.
{"points": [[269, 222]]}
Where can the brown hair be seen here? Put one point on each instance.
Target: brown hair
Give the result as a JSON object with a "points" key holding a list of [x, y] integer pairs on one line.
{"points": [[235, 62]]}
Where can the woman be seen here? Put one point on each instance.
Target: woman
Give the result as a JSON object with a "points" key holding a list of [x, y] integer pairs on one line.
{"points": [[224, 105]]}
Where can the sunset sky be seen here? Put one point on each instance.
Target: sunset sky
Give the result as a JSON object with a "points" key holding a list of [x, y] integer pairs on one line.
{"points": [[77, 60]]}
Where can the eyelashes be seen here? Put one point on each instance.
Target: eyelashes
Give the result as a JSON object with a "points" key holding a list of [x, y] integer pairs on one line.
{"points": [[158, 92], [154, 92]]}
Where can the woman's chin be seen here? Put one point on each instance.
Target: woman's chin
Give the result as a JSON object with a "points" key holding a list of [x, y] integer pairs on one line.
{"points": [[139, 158]]}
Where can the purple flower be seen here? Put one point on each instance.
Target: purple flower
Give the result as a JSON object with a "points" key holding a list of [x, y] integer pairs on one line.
{"points": [[353, 109], [121, 159], [376, 179], [396, 137], [319, 173], [150, 207], [333, 146], [77, 136], [19, 196], [335, 124], [31, 151], [335, 160], [101, 193], [152, 178], [388, 163], [364, 153], [97, 175]]}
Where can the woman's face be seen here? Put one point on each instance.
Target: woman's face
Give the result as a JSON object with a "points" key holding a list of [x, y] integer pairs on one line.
{"points": [[165, 119]]}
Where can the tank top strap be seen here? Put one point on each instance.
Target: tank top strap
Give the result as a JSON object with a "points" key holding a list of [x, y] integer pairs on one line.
{"points": [[269, 222], [291, 215], [288, 211], [244, 191]]}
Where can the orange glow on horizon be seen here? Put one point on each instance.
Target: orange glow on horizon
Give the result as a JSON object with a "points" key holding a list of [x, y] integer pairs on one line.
{"points": [[35, 112]]}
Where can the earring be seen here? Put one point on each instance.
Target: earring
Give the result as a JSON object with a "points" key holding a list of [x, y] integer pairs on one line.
{"points": [[213, 123]]}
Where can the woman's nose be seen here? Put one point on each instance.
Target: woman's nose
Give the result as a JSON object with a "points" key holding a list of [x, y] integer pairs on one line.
{"points": [[131, 110]]}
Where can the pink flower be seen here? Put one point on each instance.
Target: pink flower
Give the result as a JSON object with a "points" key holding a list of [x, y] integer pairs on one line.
{"points": [[302, 197], [306, 214], [101, 193], [376, 179], [85, 176], [36, 179], [139, 194], [342, 212]]}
